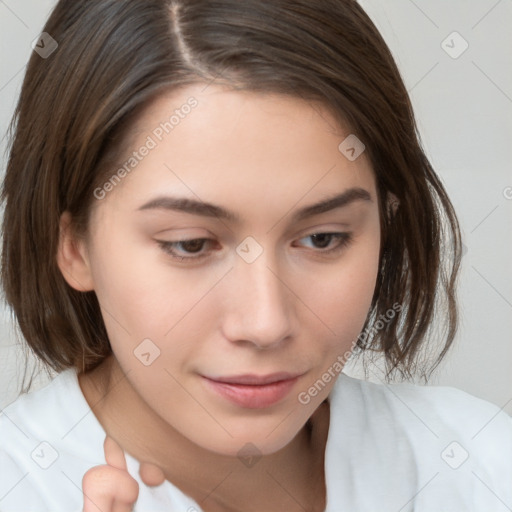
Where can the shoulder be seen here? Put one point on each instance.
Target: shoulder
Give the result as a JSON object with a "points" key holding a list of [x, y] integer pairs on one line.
{"points": [[50, 437], [441, 406], [459, 444], [58, 412]]}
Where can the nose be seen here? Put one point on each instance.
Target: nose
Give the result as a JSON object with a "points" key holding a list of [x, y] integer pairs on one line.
{"points": [[260, 309]]}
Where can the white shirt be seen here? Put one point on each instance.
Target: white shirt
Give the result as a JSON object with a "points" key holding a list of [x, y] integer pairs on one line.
{"points": [[390, 448]]}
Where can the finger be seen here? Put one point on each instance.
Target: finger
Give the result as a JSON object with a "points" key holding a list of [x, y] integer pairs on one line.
{"points": [[114, 454], [150, 474], [108, 489]]}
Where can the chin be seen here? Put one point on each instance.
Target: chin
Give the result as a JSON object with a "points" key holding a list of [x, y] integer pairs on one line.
{"points": [[250, 446], [248, 437]]}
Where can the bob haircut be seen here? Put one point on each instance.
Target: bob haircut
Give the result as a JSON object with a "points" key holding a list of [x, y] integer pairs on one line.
{"points": [[77, 106]]}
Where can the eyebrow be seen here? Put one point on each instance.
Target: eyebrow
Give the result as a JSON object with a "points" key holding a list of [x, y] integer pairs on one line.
{"points": [[191, 206]]}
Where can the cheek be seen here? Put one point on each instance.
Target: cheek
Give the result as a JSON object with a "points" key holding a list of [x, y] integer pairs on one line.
{"points": [[342, 303], [143, 297], [341, 294], [343, 300]]}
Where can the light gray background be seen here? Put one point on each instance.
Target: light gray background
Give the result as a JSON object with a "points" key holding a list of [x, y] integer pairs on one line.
{"points": [[463, 107]]}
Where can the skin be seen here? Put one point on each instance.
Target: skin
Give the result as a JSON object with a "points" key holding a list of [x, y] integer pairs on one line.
{"points": [[295, 308], [110, 487]]}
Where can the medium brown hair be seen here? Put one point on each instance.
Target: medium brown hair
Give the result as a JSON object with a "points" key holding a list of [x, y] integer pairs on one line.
{"points": [[115, 56]]}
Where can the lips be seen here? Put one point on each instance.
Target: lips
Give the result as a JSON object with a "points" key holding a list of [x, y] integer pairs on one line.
{"points": [[253, 391], [255, 380]]}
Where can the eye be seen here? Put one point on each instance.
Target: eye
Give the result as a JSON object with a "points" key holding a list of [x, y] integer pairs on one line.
{"points": [[191, 246], [322, 240], [192, 249]]}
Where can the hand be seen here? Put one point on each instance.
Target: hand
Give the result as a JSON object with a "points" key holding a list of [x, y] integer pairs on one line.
{"points": [[110, 488]]}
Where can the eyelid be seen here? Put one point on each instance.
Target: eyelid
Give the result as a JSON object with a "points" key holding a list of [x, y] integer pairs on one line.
{"points": [[338, 227], [344, 238]]}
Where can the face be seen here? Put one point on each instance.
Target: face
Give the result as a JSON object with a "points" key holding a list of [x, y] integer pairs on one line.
{"points": [[258, 290]]}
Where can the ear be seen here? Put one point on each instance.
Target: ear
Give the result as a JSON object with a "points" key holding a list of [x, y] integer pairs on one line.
{"points": [[72, 257], [392, 204]]}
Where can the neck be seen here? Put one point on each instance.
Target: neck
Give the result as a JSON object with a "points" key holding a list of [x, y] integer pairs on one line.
{"points": [[290, 479]]}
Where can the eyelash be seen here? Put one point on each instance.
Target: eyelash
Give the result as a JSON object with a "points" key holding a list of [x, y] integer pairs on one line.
{"points": [[345, 239]]}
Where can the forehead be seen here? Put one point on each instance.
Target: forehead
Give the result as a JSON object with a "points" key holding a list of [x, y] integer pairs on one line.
{"points": [[237, 148]]}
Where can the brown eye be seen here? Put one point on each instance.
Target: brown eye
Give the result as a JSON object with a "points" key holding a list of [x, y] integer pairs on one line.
{"points": [[192, 246], [323, 240]]}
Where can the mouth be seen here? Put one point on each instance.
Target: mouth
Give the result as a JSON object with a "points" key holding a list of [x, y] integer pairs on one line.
{"points": [[253, 391]]}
